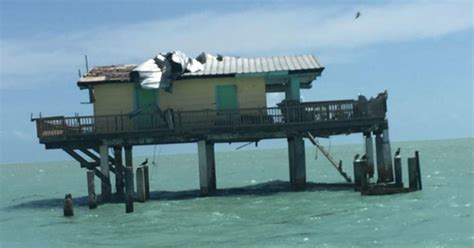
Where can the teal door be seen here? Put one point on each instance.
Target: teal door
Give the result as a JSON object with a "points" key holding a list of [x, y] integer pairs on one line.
{"points": [[226, 97], [146, 100]]}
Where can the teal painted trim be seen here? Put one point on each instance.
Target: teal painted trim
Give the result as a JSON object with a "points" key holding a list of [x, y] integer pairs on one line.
{"points": [[262, 74], [293, 89]]}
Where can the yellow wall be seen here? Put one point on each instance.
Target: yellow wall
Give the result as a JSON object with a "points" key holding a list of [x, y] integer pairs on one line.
{"points": [[192, 94], [197, 94], [113, 98]]}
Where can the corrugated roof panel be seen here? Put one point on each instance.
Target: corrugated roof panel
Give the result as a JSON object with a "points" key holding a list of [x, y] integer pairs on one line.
{"points": [[229, 65]]}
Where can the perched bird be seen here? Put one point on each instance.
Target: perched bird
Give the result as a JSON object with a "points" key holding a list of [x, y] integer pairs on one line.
{"points": [[364, 157], [356, 156], [144, 162], [357, 15], [397, 152]]}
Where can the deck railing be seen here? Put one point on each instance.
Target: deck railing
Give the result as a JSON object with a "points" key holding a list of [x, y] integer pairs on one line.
{"points": [[288, 114]]}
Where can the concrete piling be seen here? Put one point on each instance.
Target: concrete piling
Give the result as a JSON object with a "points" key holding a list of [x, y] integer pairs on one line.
{"points": [[207, 167], [92, 197], [105, 170], [129, 187], [68, 209], [297, 163], [357, 174], [141, 193], [387, 157], [380, 159], [369, 152], [398, 171]]}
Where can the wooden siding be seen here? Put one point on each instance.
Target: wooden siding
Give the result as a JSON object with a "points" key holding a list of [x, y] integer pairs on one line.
{"points": [[193, 94], [197, 94], [113, 99]]}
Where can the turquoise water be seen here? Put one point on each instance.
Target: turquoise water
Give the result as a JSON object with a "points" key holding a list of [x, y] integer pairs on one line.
{"points": [[254, 207]]}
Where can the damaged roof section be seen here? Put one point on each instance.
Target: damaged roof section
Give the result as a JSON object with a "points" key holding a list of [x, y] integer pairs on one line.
{"points": [[214, 66]]}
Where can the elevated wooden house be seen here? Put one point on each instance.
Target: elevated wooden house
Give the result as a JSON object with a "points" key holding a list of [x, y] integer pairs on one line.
{"points": [[224, 102]]}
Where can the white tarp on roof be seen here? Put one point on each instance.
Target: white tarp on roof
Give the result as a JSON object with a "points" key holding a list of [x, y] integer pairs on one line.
{"points": [[159, 72]]}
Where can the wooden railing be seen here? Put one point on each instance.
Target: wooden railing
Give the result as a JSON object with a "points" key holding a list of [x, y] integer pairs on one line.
{"points": [[284, 115]]}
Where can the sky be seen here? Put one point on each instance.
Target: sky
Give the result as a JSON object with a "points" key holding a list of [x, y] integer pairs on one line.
{"points": [[421, 52]]}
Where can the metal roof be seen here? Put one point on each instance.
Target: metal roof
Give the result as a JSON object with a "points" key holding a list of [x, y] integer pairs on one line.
{"points": [[225, 66], [236, 65]]}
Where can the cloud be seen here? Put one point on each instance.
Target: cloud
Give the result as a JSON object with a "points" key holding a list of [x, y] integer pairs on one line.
{"points": [[263, 31]]}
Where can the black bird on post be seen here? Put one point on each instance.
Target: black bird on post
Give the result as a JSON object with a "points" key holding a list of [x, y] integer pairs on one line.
{"points": [[144, 162], [397, 152], [356, 156]]}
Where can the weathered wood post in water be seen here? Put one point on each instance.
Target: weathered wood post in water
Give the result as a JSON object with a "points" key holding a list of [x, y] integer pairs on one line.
{"points": [[68, 205], [147, 182], [129, 187], [92, 197], [414, 176], [207, 167], [387, 156], [119, 172], [141, 192], [381, 175], [360, 173], [106, 190]]}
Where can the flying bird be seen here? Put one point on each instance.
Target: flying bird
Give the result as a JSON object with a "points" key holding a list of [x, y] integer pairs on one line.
{"points": [[144, 162], [357, 15]]}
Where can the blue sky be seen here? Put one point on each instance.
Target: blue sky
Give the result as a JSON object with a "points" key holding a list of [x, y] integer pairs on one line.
{"points": [[420, 51]]}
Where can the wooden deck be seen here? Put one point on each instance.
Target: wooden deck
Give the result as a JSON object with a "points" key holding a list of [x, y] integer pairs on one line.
{"points": [[154, 126]]}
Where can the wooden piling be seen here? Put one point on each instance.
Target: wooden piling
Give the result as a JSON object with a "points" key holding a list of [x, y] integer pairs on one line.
{"points": [[68, 209], [398, 171], [147, 182], [141, 193], [119, 177], [418, 170], [357, 174], [412, 174], [92, 197], [129, 187], [364, 184]]}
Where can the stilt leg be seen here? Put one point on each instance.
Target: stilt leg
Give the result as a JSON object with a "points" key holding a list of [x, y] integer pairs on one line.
{"points": [[297, 163], [369, 152], [129, 180], [119, 180], [91, 189], [105, 169], [207, 173]]}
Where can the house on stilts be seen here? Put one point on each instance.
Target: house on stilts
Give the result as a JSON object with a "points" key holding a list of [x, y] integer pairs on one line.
{"points": [[224, 101]]}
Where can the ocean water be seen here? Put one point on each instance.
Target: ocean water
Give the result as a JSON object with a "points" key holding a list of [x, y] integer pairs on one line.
{"points": [[253, 207]]}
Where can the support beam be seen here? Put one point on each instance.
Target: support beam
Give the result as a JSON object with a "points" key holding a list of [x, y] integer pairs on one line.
{"points": [[106, 190], [92, 197], [119, 172], [297, 163], [369, 152], [129, 180], [207, 167], [387, 156], [398, 171]]}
